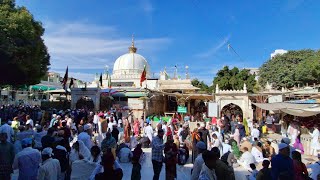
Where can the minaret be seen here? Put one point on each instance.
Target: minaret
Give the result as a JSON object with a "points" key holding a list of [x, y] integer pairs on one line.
{"points": [[132, 49]]}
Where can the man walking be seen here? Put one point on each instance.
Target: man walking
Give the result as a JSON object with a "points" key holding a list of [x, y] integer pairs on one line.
{"points": [[204, 135], [6, 157], [201, 146], [157, 154], [5, 128], [282, 164], [50, 168], [27, 161]]}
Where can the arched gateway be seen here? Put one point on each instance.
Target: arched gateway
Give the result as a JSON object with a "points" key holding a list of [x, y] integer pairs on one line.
{"points": [[89, 93], [236, 98]]}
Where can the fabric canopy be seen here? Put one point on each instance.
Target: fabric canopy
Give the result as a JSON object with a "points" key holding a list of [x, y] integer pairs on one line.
{"points": [[302, 110], [281, 105]]}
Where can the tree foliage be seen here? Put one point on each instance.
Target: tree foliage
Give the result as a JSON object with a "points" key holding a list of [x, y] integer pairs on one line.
{"points": [[234, 79], [24, 58], [291, 68], [203, 86]]}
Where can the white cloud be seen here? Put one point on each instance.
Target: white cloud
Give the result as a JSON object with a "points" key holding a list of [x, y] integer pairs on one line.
{"points": [[82, 45], [278, 52], [214, 49]]}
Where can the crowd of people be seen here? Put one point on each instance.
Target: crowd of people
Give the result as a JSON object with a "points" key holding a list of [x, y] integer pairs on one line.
{"points": [[81, 144]]}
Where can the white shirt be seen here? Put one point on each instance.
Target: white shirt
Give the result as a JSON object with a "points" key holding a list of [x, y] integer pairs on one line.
{"points": [[197, 166], [218, 135], [86, 139], [84, 168], [246, 159], [315, 169], [30, 121], [216, 143], [8, 130], [225, 148], [49, 170], [164, 127], [110, 126], [255, 133], [95, 119], [69, 122], [148, 131], [257, 154], [250, 123]]}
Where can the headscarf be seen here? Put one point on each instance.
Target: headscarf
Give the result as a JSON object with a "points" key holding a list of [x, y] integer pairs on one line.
{"points": [[83, 150]]}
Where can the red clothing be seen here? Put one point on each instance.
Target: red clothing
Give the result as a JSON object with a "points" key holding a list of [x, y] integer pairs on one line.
{"points": [[214, 121], [299, 169], [169, 132], [136, 127]]}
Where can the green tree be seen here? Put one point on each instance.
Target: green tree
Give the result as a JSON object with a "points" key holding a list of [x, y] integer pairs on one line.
{"points": [[203, 86], [308, 71], [24, 58], [234, 79], [290, 69]]}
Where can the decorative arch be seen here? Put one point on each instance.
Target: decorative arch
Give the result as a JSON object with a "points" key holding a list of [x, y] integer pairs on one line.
{"points": [[88, 93], [231, 109], [85, 102]]}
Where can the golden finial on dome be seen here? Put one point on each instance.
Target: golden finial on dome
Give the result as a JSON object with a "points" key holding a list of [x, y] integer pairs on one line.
{"points": [[132, 49]]}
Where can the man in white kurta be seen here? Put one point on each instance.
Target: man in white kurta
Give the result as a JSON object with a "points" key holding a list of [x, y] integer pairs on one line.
{"points": [[314, 145], [255, 133], [246, 159], [148, 131], [50, 168]]}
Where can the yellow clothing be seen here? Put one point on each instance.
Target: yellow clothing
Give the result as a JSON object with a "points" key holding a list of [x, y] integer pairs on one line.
{"points": [[264, 129], [15, 125]]}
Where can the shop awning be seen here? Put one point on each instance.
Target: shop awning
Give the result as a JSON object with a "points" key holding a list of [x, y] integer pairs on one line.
{"points": [[302, 110], [281, 105]]}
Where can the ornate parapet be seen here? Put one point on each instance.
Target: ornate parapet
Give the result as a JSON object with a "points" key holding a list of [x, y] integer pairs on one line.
{"points": [[243, 91]]}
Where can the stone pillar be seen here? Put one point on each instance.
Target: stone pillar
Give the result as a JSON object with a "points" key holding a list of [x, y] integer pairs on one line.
{"points": [[189, 106]]}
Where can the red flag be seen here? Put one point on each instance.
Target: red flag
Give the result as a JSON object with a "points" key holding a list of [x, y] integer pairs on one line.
{"points": [[65, 79], [143, 75]]}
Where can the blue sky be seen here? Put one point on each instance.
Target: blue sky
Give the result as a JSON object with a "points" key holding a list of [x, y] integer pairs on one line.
{"points": [[87, 35]]}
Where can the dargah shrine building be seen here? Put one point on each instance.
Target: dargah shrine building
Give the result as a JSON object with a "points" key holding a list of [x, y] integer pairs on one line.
{"points": [[154, 96]]}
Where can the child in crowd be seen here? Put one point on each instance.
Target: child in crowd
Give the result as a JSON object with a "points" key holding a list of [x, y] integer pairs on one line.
{"points": [[254, 172]]}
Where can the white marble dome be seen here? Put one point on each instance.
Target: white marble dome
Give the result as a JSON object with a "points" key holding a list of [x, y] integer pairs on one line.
{"points": [[130, 65]]}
